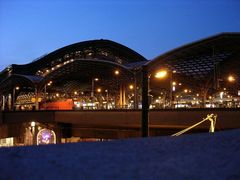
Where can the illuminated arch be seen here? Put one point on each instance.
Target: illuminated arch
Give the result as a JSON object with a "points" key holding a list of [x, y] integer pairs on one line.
{"points": [[46, 136]]}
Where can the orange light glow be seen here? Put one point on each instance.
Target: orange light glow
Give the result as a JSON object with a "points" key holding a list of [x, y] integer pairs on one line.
{"points": [[131, 86], [116, 72], [161, 74], [99, 90], [231, 78]]}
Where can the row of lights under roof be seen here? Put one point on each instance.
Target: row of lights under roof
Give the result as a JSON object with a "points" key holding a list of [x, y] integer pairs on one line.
{"points": [[47, 71], [116, 72], [99, 90]]}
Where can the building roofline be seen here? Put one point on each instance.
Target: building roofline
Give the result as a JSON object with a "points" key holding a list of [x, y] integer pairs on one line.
{"points": [[190, 45]]}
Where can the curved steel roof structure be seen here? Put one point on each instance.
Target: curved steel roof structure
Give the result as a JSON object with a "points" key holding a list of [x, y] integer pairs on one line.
{"points": [[95, 49], [17, 79], [198, 63], [202, 62], [78, 60], [198, 57], [81, 71]]}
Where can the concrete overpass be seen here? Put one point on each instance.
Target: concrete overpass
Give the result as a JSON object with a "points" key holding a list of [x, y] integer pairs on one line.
{"points": [[118, 123]]}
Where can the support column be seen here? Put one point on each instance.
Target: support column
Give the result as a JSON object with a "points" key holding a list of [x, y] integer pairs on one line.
{"points": [[135, 92], [171, 89], [13, 99], [37, 96], [9, 102], [123, 96], [204, 97], [3, 102], [120, 96], [145, 103]]}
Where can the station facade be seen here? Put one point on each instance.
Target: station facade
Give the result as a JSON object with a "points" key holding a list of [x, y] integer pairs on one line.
{"points": [[105, 75]]}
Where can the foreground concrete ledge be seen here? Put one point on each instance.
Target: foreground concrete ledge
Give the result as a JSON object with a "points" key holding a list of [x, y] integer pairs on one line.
{"points": [[198, 156]]}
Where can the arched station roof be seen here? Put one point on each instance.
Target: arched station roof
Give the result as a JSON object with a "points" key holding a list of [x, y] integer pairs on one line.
{"points": [[198, 58], [19, 80], [105, 50], [80, 61], [81, 71], [197, 61], [194, 63]]}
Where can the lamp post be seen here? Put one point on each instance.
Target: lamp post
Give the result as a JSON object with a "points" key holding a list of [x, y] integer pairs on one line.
{"points": [[13, 96], [231, 78], [45, 93], [117, 73], [92, 92], [106, 91], [145, 103], [131, 88], [145, 94], [172, 88], [135, 91]]}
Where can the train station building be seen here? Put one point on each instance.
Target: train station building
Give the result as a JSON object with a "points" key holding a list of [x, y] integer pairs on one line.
{"points": [[102, 76]]}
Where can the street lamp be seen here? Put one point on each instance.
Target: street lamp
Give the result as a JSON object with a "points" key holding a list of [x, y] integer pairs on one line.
{"points": [[161, 74], [106, 91], [93, 80], [116, 72], [145, 93], [99, 90], [131, 87], [14, 95], [45, 93], [231, 78]]}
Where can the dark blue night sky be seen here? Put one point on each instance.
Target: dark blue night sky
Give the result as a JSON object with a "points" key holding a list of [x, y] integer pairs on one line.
{"points": [[29, 29]]}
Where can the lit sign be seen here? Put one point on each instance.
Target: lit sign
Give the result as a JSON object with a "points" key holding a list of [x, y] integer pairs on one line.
{"points": [[46, 136]]}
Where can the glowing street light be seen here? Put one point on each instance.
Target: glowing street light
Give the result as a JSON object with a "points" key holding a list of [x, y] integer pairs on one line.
{"points": [[231, 78], [145, 97], [93, 80], [33, 124], [161, 74], [116, 72], [174, 86], [49, 83], [45, 93], [99, 90], [13, 96], [131, 87]]}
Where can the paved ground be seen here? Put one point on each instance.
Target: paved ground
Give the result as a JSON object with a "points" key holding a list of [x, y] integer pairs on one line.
{"points": [[199, 156]]}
